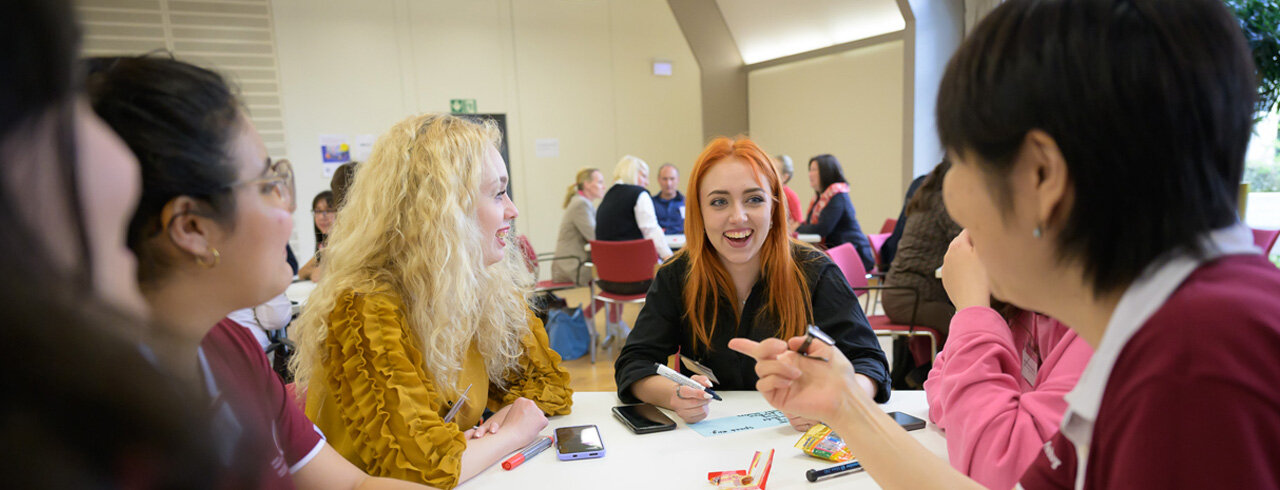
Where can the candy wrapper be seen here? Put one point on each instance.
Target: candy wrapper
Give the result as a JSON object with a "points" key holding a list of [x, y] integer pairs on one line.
{"points": [[755, 477], [821, 442]]}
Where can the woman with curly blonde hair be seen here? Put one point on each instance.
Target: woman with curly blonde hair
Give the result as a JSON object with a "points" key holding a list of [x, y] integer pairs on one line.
{"points": [[423, 305]]}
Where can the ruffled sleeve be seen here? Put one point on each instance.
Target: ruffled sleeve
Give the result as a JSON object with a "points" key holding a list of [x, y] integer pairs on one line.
{"points": [[381, 397], [539, 377]]}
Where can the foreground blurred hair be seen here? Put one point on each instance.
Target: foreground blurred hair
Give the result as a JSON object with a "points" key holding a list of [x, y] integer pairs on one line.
{"points": [[1149, 101], [409, 223]]}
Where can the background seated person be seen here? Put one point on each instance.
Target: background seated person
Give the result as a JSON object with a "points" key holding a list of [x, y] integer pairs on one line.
{"points": [[924, 242], [668, 203], [322, 214], [626, 213], [786, 169], [578, 227], [740, 276], [831, 213]]}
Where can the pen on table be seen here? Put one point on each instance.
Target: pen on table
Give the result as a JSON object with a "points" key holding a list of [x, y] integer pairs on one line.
{"points": [[529, 451], [814, 475], [681, 379]]}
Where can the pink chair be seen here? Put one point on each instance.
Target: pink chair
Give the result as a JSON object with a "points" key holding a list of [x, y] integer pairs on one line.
{"points": [[629, 261], [877, 241], [847, 259], [1265, 239], [533, 260]]}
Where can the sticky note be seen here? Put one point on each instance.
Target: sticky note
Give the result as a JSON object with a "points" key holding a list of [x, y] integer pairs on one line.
{"points": [[740, 423]]}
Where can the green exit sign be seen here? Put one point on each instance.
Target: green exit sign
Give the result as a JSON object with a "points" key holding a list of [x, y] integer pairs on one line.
{"points": [[462, 106]]}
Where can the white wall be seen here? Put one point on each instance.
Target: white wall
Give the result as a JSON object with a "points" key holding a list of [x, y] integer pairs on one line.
{"points": [[847, 104], [577, 71]]}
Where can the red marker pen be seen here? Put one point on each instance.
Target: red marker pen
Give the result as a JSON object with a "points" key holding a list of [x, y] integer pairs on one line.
{"points": [[529, 451]]}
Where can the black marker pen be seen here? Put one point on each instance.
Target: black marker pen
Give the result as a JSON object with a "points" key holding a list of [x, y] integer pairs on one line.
{"points": [[814, 475]]}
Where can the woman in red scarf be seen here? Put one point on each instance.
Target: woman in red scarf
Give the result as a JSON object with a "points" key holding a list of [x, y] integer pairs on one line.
{"points": [[831, 215]]}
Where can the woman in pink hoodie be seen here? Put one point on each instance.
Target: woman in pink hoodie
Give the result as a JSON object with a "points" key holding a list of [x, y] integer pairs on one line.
{"points": [[997, 386]]}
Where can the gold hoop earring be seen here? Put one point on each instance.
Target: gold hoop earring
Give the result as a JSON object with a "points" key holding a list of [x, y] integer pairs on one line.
{"points": [[212, 263]]}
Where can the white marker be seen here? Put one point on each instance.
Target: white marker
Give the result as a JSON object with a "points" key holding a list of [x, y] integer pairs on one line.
{"points": [[681, 379]]}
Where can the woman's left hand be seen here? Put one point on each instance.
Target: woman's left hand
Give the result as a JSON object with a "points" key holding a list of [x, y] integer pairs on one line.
{"points": [[490, 425]]}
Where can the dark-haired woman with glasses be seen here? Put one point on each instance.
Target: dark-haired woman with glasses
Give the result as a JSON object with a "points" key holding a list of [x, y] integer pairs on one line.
{"points": [[322, 213], [210, 235]]}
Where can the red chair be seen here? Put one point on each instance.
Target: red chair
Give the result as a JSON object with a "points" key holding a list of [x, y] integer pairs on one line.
{"points": [[534, 259], [889, 225], [628, 261], [847, 259], [1266, 239]]}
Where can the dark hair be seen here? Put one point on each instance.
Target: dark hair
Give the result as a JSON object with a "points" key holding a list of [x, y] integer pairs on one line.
{"points": [[179, 120], [930, 186], [327, 197], [1149, 101], [81, 402], [38, 62], [343, 177], [829, 171]]}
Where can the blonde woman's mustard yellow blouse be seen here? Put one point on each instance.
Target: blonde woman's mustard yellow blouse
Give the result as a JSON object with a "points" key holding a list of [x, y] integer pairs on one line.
{"points": [[380, 409]]}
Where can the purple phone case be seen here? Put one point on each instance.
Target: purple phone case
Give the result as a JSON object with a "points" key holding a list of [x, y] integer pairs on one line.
{"points": [[583, 454]]}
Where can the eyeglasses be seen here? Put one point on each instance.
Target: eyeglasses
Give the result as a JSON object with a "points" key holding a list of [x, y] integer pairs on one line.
{"points": [[277, 183], [327, 212]]}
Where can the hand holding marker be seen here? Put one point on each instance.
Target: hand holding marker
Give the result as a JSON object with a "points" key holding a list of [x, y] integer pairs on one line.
{"points": [[681, 379]]}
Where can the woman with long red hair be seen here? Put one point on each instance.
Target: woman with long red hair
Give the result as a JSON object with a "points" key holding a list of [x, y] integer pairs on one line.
{"points": [[739, 275]]}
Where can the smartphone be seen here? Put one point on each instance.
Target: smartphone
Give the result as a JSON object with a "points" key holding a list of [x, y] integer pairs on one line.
{"points": [[643, 418], [906, 421], [579, 442]]}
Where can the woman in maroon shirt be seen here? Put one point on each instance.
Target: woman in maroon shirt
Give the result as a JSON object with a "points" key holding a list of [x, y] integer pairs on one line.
{"points": [[1097, 149]]}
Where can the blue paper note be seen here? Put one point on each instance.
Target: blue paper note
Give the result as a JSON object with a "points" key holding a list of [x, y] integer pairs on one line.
{"points": [[740, 423]]}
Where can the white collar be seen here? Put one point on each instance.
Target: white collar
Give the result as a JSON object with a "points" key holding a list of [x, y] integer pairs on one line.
{"points": [[1141, 300]]}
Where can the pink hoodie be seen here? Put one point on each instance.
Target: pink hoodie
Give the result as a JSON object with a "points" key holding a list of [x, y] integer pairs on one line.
{"points": [[996, 420]]}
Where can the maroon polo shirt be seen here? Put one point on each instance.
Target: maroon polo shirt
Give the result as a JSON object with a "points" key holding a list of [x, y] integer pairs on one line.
{"points": [[253, 413], [1193, 400]]}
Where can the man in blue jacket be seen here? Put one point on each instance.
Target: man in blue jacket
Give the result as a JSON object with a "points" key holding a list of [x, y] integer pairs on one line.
{"points": [[668, 204]]}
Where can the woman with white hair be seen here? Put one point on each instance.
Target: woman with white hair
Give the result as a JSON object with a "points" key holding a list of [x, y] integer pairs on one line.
{"points": [[626, 213], [423, 308]]}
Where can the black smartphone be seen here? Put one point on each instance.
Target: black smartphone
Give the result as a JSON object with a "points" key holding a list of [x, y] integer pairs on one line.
{"points": [[906, 421], [643, 418]]}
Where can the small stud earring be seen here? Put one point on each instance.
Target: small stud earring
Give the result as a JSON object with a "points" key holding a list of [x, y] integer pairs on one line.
{"points": [[1037, 232]]}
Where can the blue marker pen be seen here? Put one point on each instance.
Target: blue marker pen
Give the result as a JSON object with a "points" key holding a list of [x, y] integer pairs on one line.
{"points": [[814, 475]]}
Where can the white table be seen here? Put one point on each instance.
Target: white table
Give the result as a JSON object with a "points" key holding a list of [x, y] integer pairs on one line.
{"points": [[681, 458]]}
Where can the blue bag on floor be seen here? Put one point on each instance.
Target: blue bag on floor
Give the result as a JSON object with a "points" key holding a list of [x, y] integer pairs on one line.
{"points": [[567, 330]]}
